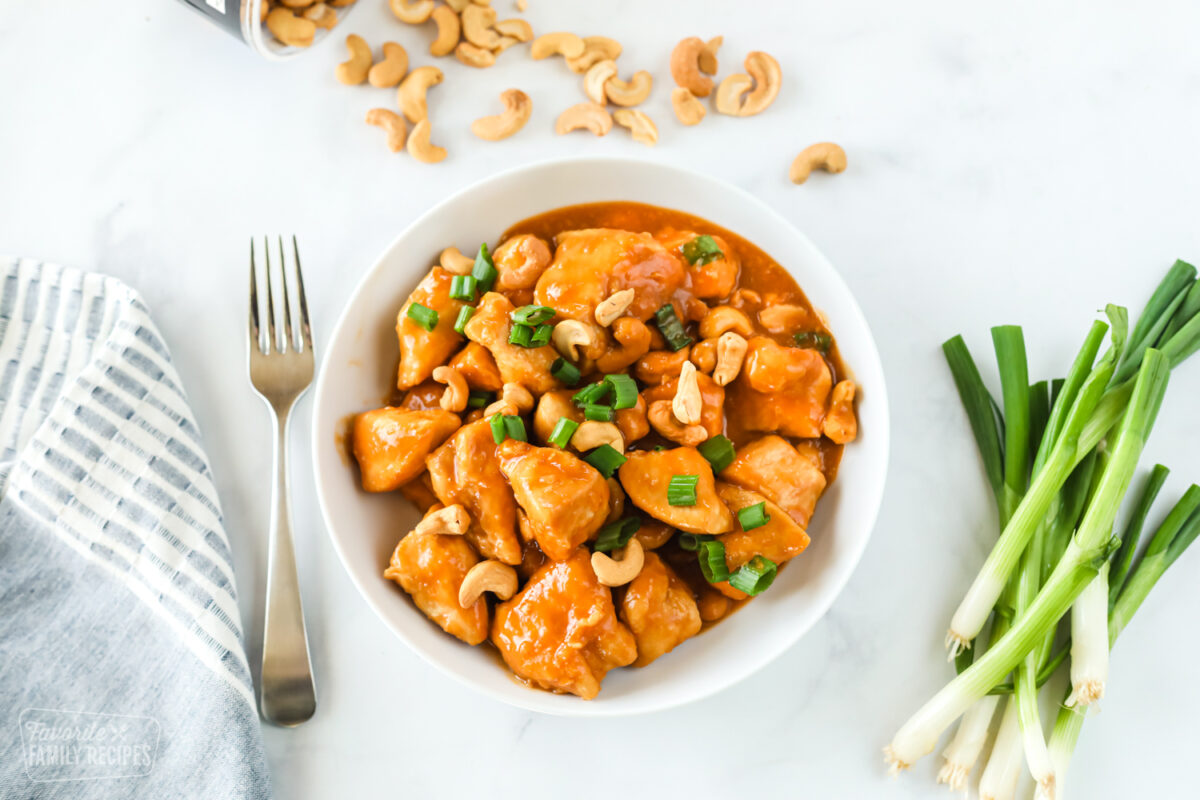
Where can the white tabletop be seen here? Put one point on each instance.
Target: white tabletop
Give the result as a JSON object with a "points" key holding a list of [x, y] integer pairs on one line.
{"points": [[1023, 162]]}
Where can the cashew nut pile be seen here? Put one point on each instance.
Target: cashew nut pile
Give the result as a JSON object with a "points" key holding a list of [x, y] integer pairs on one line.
{"points": [[294, 22]]}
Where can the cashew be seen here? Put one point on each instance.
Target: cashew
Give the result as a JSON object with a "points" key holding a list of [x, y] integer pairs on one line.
{"points": [[743, 298], [708, 56], [685, 67], [664, 423], [448, 30], [632, 93], [421, 148], [640, 125], [477, 26], [517, 396], [452, 521], [687, 403], [729, 93], [619, 573], [688, 109], [390, 71], [517, 108], [264, 9], [321, 15], [570, 335], [522, 5], [414, 13], [634, 339], [616, 500], [487, 576], [518, 29], [411, 94], [458, 5], [454, 398], [614, 306], [297, 4], [584, 116], [632, 421], [354, 70], [339, 3], [591, 434], [291, 30], [474, 56], [596, 77], [393, 123], [763, 83], [455, 262], [567, 45], [657, 367], [826, 155], [704, 355], [731, 349], [595, 48], [503, 43], [725, 318]]}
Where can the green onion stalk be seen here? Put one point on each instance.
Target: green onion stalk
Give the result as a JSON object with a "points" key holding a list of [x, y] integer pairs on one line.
{"points": [[1174, 536], [1090, 547]]}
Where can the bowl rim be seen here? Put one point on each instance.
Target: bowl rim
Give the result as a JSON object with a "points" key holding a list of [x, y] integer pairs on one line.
{"points": [[741, 669]]}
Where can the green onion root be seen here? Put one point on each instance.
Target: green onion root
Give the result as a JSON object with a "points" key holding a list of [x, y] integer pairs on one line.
{"points": [[1089, 642]]}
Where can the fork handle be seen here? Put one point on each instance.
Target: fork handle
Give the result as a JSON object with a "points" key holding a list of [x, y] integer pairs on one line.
{"points": [[288, 694]]}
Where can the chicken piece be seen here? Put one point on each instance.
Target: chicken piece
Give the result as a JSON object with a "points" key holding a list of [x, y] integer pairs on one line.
{"points": [[589, 265], [653, 534], [419, 492], [476, 364], [520, 261], [466, 470], [528, 366], [712, 399], [646, 474], [659, 609], [431, 567], [421, 350], [632, 421], [712, 281], [840, 424], [425, 396], [551, 407], [390, 444], [779, 539], [564, 498], [561, 631], [782, 389], [776, 470]]}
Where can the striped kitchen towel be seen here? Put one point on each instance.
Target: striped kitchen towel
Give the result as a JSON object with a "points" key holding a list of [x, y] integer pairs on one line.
{"points": [[122, 667]]}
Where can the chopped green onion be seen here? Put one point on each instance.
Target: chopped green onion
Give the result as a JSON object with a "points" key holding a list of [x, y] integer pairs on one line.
{"points": [[521, 335], [593, 393], [464, 316], [671, 328], [564, 429], [606, 459], [533, 315], [566, 372], [462, 287], [719, 452], [541, 335], [484, 271], [515, 428], [597, 412], [755, 576], [754, 516], [691, 541], [616, 534], [711, 555], [658, 448], [479, 398], [497, 424], [814, 340], [424, 316], [626, 390], [702, 250], [681, 491]]}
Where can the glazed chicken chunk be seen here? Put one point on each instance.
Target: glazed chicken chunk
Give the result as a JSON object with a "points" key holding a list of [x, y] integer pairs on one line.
{"points": [[561, 632], [565, 500], [659, 609], [421, 351], [390, 444], [779, 472], [712, 276], [466, 470], [646, 475], [431, 567], [782, 389], [528, 366], [780, 539]]}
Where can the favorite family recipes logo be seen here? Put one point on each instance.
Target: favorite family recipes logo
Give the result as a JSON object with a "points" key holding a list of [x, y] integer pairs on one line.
{"points": [[80, 745]]}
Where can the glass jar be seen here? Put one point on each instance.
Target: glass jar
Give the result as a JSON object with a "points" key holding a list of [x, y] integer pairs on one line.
{"points": [[242, 19]]}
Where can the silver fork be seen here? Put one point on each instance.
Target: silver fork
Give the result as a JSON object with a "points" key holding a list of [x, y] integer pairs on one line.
{"points": [[281, 369]]}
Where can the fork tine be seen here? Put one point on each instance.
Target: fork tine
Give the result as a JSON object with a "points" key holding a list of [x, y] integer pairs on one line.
{"points": [[305, 329], [273, 343], [255, 334], [288, 341]]}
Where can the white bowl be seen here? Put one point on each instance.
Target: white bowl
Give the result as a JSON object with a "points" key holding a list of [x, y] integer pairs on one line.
{"points": [[359, 367]]}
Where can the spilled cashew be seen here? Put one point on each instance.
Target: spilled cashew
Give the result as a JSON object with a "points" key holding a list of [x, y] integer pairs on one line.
{"points": [[596, 77], [730, 92], [641, 126], [688, 109], [411, 94], [518, 29], [474, 56], [685, 67], [762, 82], [487, 576], [393, 124], [353, 71], [567, 45], [612, 572], [448, 31], [708, 56], [421, 148], [391, 70], [517, 108], [414, 13], [630, 93], [584, 116], [595, 48], [477, 26], [825, 155]]}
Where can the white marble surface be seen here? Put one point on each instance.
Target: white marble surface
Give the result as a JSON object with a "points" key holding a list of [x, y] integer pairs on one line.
{"points": [[1023, 162]]}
